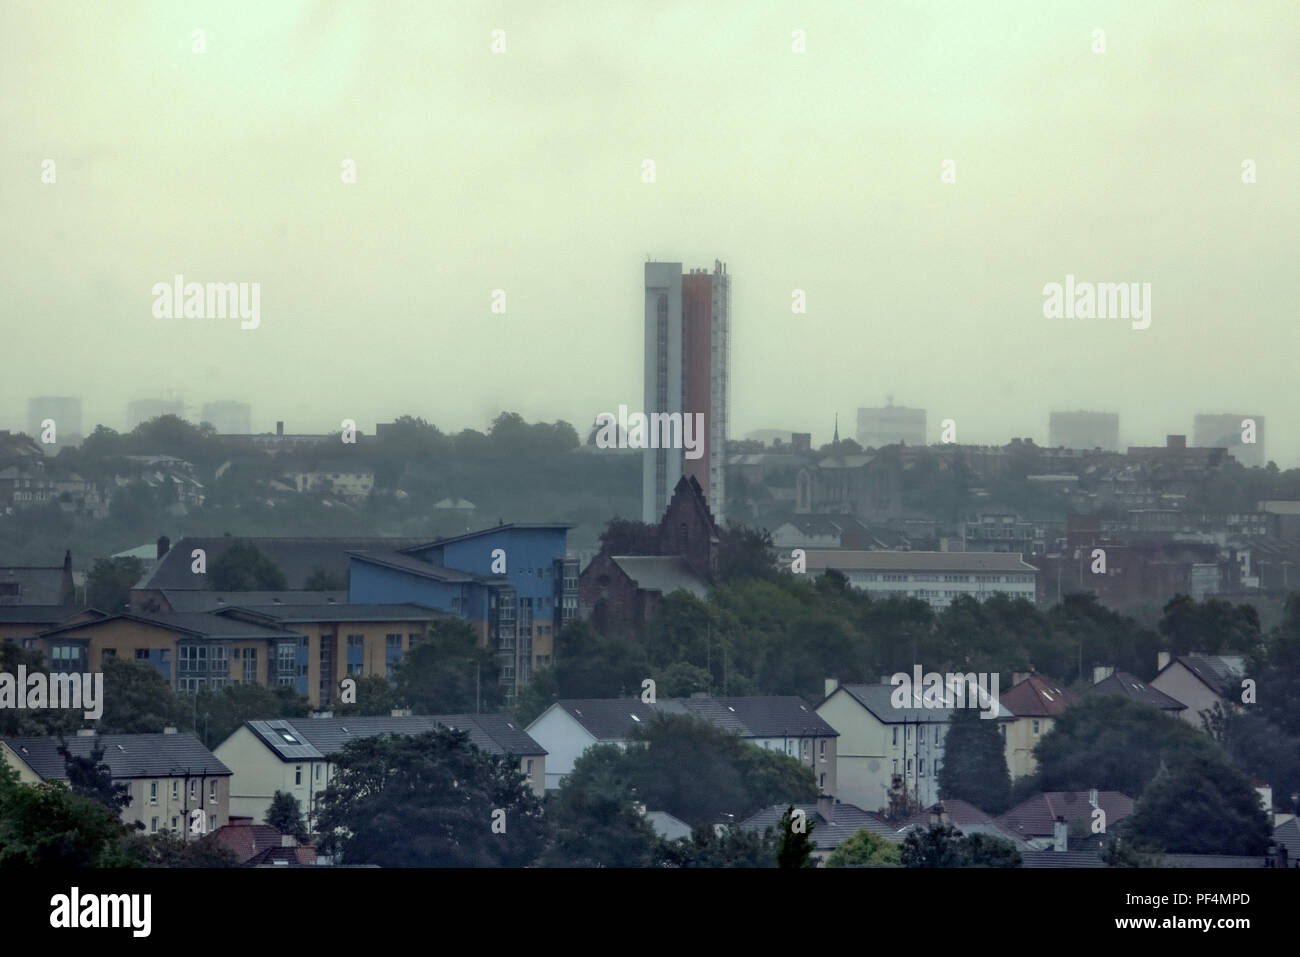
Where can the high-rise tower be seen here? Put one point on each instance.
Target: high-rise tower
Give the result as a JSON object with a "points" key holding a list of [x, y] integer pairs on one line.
{"points": [[687, 365]]}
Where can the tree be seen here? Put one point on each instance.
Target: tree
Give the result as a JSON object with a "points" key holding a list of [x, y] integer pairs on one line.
{"points": [[1210, 627], [1112, 743], [681, 680], [110, 580], [974, 766], [794, 847], [942, 845], [623, 536], [1278, 668], [138, 700], [322, 579], [285, 815], [166, 849], [595, 818], [1200, 805], [90, 777], [46, 825], [864, 847], [539, 694], [588, 665], [241, 567], [719, 847], [744, 553], [448, 672], [374, 697], [429, 800]]}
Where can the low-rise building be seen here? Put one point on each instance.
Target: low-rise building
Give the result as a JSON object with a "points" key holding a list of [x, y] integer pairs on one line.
{"points": [[1036, 703], [936, 577], [1200, 682]]}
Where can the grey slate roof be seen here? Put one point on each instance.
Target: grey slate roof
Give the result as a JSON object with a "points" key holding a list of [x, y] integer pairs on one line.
{"points": [[405, 563], [1127, 686], [296, 557], [827, 835], [877, 699], [37, 584], [612, 719], [1221, 674], [37, 614], [661, 573], [425, 543], [127, 755], [341, 612], [764, 716], [212, 600], [314, 738], [194, 624], [1288, 835]]}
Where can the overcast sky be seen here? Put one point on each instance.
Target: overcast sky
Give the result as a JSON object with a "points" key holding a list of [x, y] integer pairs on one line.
{"points": [[522, 171]]}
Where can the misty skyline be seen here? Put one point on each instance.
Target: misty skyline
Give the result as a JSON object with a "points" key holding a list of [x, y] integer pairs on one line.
{"points": [[522, 171]]}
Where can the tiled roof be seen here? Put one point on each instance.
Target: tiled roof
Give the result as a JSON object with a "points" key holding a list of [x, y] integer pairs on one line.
{"points": [[297, 558], [405, 563], [826, 835], [127, 755], [36, 614], [1051, 858], [878, 700], [1036, 816], [341, 612], [314, 738], [181, 600], [1126, 685], [38, 585], [890, 561], [1036, 697], [247, 840], [662, 573], [1220, 673]]}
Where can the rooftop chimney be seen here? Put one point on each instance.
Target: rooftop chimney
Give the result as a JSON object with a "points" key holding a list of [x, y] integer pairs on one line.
{"points": [[169, 730], [164, 544], [288, 840], [1060, 835], [938, 815], [1162, 660], [826, 807], [1101, 672]]}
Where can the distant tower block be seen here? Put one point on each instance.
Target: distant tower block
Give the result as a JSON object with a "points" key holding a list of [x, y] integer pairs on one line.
{"points": [[891, 425], [1226, 431], [1084, 430]]}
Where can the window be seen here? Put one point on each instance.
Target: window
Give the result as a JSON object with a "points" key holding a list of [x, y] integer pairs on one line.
{"points": [[212, 792], [1035, 726], [805, 749], [317, 772], [895, 736], [153, 792], [249, 656], [895, 765], [297, 774], [909, 765], [529, 766], [174, 822], [142, 653], [107, 655], [286, 661], [920, 766], [821, 782], [153, 826], [176, 790], [822, 749]]}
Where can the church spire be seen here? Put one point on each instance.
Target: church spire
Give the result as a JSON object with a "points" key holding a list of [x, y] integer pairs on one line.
{"points": [[836, 440]]}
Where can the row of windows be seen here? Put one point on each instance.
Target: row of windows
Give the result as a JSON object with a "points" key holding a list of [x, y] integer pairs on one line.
{"points": [[919, 732], [214, 821], [176, 791]]}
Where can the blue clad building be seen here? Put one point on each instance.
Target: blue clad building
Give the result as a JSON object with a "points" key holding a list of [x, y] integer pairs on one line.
{"points": [[512, 583]]}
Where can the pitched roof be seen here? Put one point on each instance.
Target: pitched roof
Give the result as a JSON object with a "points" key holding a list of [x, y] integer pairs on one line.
{"points": [[184, 600], [415, 566], [1051, 858], [759, 716], [127, 755], [37, 614], [1036, 816], [1036, 697], [492, 530], [612, 719], [661, 573], [340, 612], [299, 739], [296, 557], [1220, 673], [774, 715], [826, 835], [878, 700], [1288, 835], [1127, 686], [37, 584], [246, 839], [192, 624], [889, 561]]}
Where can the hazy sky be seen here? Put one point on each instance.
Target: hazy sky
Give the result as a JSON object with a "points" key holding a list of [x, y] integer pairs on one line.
{"points": [[522, 171]]}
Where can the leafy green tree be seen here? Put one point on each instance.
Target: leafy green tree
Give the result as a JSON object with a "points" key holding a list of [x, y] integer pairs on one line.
{"points": [[138, 700], [1210, 627], [429, 800], [939, 845], [1096, 635], [25, 722], [322, 579], [624, 536], [1121, 851], [1201, 805], [540, 693], [1278, 671], [985, 850], [90, 777], [974, 767], [681, 680], [864, 847], [46, 825], [285, 815], [745, 553], [722, 847], [166, 849], [109, 582], [595, 819], [448, 672], [588, 665], [1257, 747], [794, 848], [241, 567], [374, 697], [1112, 743]]}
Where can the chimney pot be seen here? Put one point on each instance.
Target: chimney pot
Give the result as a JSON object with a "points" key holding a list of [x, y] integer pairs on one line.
{"points": [[826, 807], [1060, 835], [164, 544]]}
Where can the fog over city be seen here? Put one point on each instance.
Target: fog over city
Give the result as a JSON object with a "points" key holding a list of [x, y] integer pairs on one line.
{"points": [[918, 172]]}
